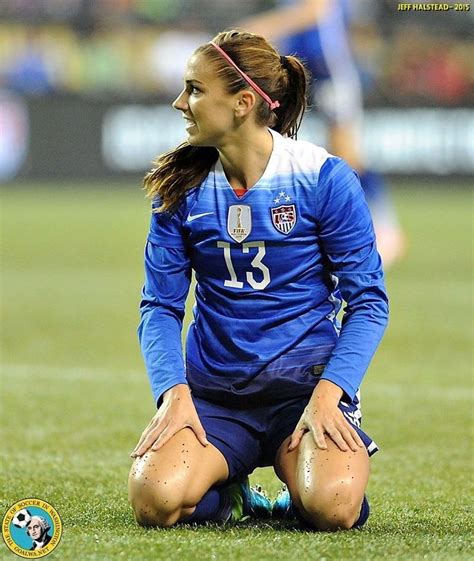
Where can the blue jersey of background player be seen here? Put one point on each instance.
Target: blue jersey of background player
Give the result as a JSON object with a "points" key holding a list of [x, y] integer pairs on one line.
{"points": [[318, 32], [275, 230], [324, 43]]}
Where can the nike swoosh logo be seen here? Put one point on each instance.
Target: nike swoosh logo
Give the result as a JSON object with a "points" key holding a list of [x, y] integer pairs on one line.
{"points": [[196, 216]]}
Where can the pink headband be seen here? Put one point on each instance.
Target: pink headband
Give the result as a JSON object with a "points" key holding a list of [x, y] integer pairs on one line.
{"points": [[273, 104]]}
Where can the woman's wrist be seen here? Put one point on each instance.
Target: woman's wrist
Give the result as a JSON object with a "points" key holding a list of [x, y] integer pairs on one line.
{"points": [[176, 393], [327, 391]]}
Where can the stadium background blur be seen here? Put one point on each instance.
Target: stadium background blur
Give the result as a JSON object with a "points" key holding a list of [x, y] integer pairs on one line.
{"points": [[85, 87], [110, 68]]}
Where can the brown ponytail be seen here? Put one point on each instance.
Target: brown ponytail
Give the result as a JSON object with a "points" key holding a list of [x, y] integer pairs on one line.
{"points": [[176, 172], [281, 78], [294, 101]]}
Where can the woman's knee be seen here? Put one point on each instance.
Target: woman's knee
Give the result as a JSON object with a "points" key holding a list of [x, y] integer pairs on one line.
{"points": [[162, 490], [332, 509], [155, 501], [155, 507]]}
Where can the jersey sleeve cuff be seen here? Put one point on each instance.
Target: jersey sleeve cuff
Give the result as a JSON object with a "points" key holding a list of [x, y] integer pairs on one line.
{"points": [[348, 390]]}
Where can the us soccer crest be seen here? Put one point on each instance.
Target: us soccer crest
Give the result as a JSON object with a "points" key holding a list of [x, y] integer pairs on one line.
{"points": [[239, 222], [284, 218]]}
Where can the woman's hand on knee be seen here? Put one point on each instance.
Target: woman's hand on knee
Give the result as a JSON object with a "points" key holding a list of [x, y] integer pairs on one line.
{"points": [[175, 413], [322, 416]]}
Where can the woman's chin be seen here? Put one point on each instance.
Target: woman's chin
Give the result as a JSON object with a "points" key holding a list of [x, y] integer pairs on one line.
{"points": [[192, 135], [196, 140]]}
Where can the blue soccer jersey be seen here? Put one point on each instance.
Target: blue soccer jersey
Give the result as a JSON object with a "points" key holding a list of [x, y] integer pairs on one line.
{"points": [[324, 46], [271, 267], [326, 51]]}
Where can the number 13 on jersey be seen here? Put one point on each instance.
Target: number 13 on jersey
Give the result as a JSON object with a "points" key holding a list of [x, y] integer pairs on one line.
{"points": [[256, 264]]}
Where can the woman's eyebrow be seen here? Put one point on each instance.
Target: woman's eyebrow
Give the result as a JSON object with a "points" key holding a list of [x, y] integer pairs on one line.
{"points": [[193, 80]]}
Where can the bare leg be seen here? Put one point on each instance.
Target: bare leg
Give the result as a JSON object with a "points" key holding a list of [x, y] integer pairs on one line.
{"points": [[326, 486], [344, 142], [166, 485]]}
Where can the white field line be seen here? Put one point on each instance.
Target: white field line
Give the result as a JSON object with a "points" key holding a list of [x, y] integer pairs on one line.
{"points": [[403, 391], [385, 390], [15, 370]]}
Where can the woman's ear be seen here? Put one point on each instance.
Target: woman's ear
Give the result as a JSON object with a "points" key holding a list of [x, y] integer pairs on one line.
{"points": [[244, 104]]}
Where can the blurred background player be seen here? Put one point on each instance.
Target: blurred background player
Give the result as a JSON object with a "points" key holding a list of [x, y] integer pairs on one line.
{"points": [[317, 31]]}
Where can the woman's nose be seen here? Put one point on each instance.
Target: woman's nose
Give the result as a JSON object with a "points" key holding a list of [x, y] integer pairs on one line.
{"points": [[181, 102]]}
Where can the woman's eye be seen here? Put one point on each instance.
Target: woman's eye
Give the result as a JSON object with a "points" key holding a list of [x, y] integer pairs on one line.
{"points": [[194, 90]]}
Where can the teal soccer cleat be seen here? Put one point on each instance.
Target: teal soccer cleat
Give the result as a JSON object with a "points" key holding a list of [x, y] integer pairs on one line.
{"points": [[283, 508], [248, 502]]}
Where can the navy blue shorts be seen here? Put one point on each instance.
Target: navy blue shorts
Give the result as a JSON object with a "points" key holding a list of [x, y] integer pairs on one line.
{"points": [[250, 438]]}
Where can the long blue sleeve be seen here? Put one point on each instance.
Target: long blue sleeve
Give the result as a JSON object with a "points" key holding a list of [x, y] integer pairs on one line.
{"points": [[167, 280], [348, 241]]}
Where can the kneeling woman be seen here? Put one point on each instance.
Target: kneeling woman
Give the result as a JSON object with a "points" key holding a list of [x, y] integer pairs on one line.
{"points": [[278, 233]]}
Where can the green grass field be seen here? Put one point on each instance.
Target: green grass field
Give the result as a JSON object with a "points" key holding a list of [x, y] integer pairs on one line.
{"points": [[75, 395]]}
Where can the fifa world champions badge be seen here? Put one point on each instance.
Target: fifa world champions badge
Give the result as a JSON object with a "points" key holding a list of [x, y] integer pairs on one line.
{"points": [[239, 222], [32, 528]]}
